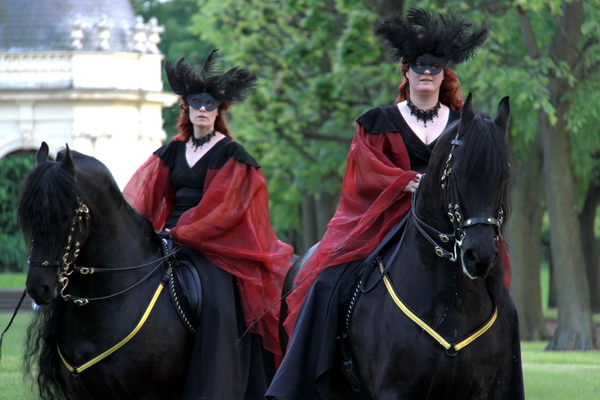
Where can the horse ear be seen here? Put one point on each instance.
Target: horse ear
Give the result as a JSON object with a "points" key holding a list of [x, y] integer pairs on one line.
{"points": [[42, 153], [503, 113], [67, 163], [467, 115]]}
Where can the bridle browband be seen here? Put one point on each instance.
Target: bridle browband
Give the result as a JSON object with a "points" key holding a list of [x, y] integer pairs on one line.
{"points": [[455, 215], [77, 235]]}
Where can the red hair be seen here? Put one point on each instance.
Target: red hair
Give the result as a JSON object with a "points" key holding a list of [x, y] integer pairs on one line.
{"points": [[185, 127], [449, 90]]}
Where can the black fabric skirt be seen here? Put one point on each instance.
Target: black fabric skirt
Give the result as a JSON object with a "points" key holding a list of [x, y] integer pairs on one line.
{"points": [[224, 365], [310, 367]]}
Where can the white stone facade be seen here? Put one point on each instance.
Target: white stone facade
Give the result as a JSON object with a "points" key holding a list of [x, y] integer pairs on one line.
{"points": [[101, 103]]}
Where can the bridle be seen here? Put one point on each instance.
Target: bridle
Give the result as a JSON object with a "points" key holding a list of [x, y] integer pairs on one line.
{"points": [[455, 214], [77, 235]]}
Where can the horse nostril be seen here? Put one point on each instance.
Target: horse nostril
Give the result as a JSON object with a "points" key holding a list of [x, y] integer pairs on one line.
{"points": [[479, 262], [41, 294], [470, 257]]}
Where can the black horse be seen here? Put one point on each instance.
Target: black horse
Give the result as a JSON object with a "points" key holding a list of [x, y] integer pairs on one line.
{"points": [[104, 331], [431, 317]]}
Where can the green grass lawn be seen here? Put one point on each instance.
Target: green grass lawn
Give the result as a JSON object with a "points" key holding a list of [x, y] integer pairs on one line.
{"points": [[568, 375], [548, 375], [12, 281], [12, 386]]}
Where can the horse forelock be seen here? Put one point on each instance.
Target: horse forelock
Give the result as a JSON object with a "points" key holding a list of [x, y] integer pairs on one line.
{"points": [[482, 160], [47, 201]]}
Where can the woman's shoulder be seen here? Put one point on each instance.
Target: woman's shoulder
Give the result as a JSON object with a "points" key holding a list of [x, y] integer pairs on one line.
{"points": [[380, 119], [168, 152], [229, 148]]}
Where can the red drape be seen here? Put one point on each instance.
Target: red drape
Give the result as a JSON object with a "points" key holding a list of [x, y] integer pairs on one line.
{"points": [[231, 228], [372, 201]]}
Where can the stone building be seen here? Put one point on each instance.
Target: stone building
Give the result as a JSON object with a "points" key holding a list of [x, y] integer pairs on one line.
{"points": [[86, 73]]}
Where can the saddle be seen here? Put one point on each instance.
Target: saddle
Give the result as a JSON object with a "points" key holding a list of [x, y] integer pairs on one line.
{"points": [[185, 286]]}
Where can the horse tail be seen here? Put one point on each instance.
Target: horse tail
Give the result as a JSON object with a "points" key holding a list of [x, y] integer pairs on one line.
{"points": [[41, 352]]}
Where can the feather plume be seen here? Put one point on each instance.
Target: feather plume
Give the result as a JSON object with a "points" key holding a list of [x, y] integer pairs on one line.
{"points": [[423, 33], [233, 86]]}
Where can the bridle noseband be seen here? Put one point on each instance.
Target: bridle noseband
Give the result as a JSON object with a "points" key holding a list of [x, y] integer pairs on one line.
{"points": [[455, 214]]}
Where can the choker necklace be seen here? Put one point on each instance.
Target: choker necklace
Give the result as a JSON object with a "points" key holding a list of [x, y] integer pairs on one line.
{"points": [[423, 115], [201, 141]]}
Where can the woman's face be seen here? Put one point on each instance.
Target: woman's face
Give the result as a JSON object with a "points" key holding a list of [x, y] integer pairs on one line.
{"points": [[202, 118], [424, 83]]}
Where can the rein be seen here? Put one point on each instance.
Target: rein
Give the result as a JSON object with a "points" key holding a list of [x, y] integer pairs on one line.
{"points": [[78, 233]]}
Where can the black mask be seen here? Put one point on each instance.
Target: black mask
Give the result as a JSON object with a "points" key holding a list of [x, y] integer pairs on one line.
{"points": [[430, 63], [198, 100]]}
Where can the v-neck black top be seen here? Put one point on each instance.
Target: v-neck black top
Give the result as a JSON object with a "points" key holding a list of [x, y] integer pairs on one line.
{"points": [[189, 181], [389, 119]]}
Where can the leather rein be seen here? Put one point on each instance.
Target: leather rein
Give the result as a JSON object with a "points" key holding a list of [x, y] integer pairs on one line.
{"points": [[78, 233]]}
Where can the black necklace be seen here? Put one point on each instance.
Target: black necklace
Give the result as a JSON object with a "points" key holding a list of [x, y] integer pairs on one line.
{"points": [[202, 140], [424, 116]]}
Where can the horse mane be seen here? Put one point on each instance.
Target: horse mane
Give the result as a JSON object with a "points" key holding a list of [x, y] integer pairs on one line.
{"points": [[41, 352]]}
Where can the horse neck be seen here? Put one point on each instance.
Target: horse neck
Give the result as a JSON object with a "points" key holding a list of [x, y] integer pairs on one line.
{"points": [[119, 238]]}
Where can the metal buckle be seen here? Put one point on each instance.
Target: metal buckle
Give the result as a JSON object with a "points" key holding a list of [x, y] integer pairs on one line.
{"points": [[439, 252], [86, 271]]}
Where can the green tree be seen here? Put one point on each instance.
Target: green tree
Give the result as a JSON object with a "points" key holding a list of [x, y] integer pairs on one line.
{"points": [[319, 67], [13, 170]]}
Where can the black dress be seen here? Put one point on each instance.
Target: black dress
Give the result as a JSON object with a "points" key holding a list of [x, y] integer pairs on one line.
{"points": [[223, 365], [311, 365]]}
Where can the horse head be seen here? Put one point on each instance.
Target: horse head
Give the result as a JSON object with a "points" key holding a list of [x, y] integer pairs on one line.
{"points": [[51, 216], [469, 176]]}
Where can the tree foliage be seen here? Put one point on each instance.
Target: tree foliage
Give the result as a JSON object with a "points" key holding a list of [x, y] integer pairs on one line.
{"points": [[319, 68], [13, 170]]}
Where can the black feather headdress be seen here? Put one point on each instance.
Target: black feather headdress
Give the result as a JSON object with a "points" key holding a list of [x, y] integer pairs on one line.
{"points": [[422, 33], [233, 86]]}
